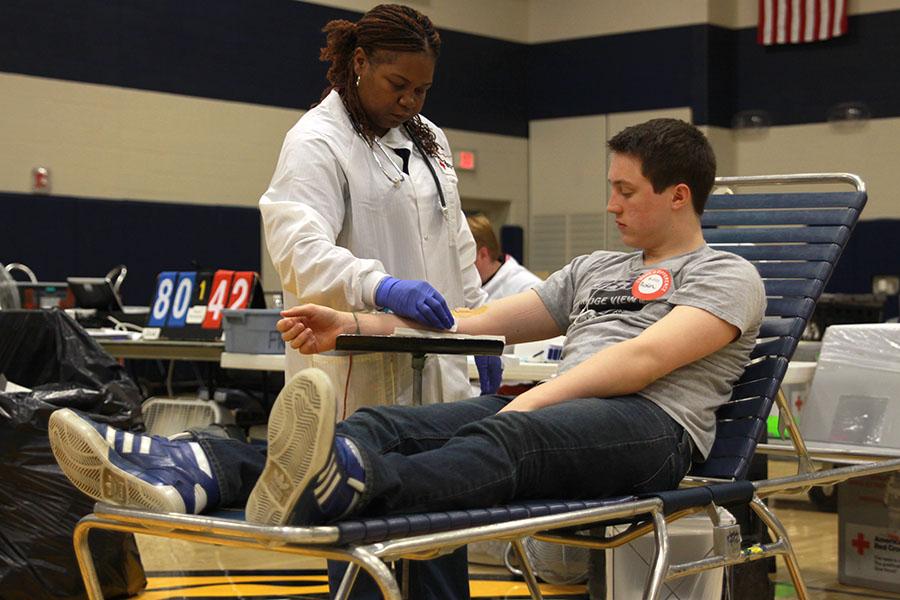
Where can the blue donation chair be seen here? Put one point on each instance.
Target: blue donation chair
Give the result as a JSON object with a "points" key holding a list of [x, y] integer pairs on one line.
{"points": [[794, 239]]}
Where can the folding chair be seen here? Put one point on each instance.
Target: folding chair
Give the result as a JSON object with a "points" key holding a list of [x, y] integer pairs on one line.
{"points": [[794, 239]]}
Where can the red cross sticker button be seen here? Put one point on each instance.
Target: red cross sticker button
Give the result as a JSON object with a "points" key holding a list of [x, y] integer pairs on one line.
{"points": [[860, 543]]}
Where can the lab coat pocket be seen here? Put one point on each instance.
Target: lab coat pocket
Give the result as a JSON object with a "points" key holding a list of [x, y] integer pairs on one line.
{"points": [[377, 198], [451, 197], [370, 187]]}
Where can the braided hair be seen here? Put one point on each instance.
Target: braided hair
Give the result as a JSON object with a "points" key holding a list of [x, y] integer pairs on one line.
{"points": [[388, 27]]}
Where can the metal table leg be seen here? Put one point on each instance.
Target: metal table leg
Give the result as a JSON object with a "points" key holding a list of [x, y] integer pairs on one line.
{"points": [[418, 364]]}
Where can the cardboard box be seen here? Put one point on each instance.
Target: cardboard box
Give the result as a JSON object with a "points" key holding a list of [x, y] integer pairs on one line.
{"points": [[869, 532]]}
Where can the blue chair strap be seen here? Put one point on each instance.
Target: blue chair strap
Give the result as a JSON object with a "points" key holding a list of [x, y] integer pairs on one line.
{"points": [[377, 529]]}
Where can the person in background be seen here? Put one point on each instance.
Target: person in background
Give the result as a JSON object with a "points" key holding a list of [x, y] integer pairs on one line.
{"points": [[501, 274], [363, 211]]}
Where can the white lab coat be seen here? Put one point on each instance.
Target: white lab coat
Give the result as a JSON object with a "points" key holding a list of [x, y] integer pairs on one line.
{"points": [[511, 278], [335, 226]]}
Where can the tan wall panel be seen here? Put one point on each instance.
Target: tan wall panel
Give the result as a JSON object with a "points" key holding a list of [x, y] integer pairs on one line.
{"points": [[551, 20], [106, 142], [504, 19], [567, 165], [869, 150], [723, 145], [102, 141], [500, 175], [619, 121]]}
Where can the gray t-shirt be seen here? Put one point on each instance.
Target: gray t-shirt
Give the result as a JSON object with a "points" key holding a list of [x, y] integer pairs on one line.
{"points": [[604, 298]]}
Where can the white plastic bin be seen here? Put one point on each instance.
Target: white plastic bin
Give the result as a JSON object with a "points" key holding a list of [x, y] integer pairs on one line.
{"points": [[855, 395], [796, 386], [691, 538], [252, 331]]}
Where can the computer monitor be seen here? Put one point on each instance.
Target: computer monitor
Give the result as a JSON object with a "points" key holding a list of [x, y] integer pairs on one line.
{"points": [[94, 292]]}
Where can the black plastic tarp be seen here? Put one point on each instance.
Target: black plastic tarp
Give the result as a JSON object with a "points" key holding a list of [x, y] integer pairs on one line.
{"points": [[51, 354]]}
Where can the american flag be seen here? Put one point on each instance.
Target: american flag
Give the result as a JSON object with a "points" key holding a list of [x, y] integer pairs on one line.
{"points": [[798, 21]]}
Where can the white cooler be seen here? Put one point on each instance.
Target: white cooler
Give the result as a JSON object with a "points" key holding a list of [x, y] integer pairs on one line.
{"points": [[691, 538]]}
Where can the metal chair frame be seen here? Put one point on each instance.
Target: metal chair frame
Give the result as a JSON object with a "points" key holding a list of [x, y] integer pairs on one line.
{"points": [[716, 483]]}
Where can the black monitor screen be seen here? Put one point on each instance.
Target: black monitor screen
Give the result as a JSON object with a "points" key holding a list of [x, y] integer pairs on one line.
{"points": [[94, 292]]}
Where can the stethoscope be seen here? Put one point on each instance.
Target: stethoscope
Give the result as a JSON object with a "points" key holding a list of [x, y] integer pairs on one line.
{"points": [[396, 181]]}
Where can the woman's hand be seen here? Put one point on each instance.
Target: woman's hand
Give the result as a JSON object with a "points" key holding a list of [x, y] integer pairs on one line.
{"points": [[312, 329]]}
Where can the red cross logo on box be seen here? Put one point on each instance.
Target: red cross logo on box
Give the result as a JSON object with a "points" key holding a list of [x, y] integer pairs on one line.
{"points": [[860, 543]]}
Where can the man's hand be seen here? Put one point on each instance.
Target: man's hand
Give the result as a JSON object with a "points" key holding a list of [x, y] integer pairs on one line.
{"points": [[311, 328]]}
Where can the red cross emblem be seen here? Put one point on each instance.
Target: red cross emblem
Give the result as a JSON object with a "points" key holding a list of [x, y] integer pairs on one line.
{"points": [[860, 543]]}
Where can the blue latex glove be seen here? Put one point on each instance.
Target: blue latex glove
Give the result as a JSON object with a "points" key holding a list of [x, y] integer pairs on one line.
{"points": [[490, 373], [416, 300]]}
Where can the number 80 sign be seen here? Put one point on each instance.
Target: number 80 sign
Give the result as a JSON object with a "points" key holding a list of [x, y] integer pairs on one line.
{"points": [[188, 298]]}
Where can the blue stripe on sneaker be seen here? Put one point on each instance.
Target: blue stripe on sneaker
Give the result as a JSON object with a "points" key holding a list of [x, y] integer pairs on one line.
{"points": [[170, 463], [338, 496]]}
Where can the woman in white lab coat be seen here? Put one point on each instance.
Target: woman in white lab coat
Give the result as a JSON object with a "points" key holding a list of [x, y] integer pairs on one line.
{"points": [[363, 206]]}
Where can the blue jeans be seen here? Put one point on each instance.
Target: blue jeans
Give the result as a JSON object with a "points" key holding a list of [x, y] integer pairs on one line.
{"points": [[464, 455]]}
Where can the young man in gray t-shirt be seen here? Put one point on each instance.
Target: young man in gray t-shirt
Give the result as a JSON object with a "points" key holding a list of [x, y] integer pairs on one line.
{"points": [[654, 341]]}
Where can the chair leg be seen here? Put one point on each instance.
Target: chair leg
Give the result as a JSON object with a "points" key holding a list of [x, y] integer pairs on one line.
{"points": [[660, 564], [375, 567], [404, 578], [790, 558], [527, 570], [804, 463], [347, 582], [85, 559]]}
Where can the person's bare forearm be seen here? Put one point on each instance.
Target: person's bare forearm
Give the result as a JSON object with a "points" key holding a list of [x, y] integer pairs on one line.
{"points": [[383, 324], [685, 335], [619, 370], [312, 329], [520, 318]]}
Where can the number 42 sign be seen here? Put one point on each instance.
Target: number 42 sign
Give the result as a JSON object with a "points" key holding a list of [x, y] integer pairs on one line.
{"points": [[190, 304]]}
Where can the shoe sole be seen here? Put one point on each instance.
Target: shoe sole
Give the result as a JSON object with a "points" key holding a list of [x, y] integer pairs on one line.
{"points": [[83, 456], [300, 437]]}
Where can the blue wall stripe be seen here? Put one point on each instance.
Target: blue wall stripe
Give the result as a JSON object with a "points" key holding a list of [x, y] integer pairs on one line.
{"points": [[718, 106], [225, 49], [266, 53], [797, 84], [61, 236], [240, 50], [480, 85], [613, 73]]}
